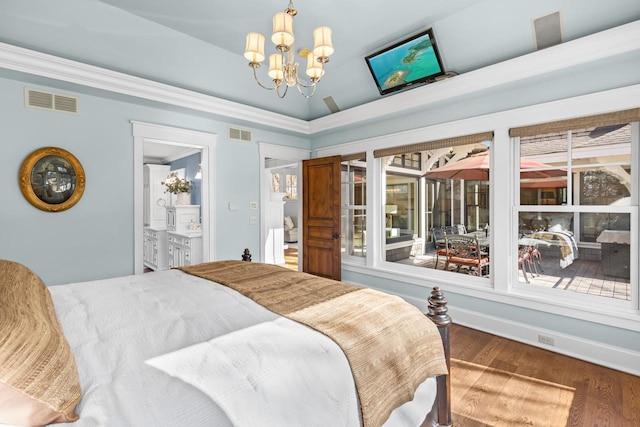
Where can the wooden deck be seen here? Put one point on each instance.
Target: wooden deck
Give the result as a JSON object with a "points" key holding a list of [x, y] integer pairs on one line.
{"points": [[582, 276]]}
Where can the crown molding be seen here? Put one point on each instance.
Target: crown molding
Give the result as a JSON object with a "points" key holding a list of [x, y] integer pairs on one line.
{"points": [[606, 44], [44, 65]]}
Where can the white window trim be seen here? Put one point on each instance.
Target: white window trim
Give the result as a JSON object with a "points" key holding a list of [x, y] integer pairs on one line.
{"points": [[500, 286], [519, 287]]}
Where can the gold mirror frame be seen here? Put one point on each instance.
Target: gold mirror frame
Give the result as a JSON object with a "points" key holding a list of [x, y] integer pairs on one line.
{"points": [[66, 162]]}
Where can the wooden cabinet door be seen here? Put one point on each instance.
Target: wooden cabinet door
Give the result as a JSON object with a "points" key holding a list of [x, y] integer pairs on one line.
{"points": [[321, 217]]}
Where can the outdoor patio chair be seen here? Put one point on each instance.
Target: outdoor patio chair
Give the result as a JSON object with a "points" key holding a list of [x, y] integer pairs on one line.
{"points": [[529, 261], [465, 251], [437, 235], [524, 261], [451, 229]]}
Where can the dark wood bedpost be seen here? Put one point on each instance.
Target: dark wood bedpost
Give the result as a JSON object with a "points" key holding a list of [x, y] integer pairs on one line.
{"points": [[438, 314]]}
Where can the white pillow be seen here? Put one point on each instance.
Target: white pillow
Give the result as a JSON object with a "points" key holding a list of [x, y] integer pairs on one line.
{"points": [[288, 223], [560, 222]]}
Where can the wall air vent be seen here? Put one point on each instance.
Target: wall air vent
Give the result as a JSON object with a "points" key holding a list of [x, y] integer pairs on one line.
{"points": [[50, 101], [240, 134]]}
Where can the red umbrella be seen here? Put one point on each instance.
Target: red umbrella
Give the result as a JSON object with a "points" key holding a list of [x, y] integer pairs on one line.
{"points": [[476, 168]]}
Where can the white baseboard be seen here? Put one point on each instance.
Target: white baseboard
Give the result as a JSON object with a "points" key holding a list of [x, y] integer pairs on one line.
{"points": [[610, 356], [617, 358]]}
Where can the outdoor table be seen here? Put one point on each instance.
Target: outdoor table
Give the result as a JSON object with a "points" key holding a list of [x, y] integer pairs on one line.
{"points": [[532, 241], [483, 238]]}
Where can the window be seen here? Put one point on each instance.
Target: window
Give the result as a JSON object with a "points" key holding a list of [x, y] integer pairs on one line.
{"points": [[575, 210], [408, 161], [354, 206], [275, 182], [432, 191], [291, 186], [402, 197]]}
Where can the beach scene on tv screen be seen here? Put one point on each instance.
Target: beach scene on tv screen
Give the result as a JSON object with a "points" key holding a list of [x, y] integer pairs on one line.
{"points": [[405, 64]]}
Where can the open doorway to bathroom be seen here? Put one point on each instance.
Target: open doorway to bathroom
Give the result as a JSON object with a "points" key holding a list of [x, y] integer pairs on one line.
{"points": [[172, 221], [195, 219]]}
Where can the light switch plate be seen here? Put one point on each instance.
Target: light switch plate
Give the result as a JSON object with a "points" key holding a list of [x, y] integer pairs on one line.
{"points": [[253, 205]]}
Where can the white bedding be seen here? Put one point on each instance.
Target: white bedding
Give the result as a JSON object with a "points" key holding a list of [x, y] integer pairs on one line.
{"points": [[248, 374], [115, 325]]}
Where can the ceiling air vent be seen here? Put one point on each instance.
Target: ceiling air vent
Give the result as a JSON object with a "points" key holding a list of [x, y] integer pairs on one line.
{"points": [[50, 101], [240, 134], [547, 30], [331, 104]]}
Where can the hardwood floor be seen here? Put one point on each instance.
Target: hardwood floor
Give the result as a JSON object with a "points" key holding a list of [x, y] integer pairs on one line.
{"points": [[499, 382], [291, 258]]}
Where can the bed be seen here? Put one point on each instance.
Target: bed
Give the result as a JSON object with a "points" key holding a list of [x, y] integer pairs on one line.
{"points": [[219, 344]]}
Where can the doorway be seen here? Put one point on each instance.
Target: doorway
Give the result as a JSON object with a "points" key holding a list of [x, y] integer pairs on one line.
{"points": [[284, 206], [275, 206], [181, 141]]}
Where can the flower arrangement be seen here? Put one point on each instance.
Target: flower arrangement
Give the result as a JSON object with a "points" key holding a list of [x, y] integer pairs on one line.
{"points": [[177, 185]]}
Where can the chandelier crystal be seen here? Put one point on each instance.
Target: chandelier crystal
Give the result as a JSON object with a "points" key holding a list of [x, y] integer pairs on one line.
{"points": [[283, 70]]}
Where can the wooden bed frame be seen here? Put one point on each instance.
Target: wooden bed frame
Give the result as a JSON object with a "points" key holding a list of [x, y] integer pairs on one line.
{"points": [[440, 413]]}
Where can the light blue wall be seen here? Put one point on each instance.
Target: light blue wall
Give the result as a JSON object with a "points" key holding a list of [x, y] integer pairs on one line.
{"points": [[94, 239], [237, 182]]}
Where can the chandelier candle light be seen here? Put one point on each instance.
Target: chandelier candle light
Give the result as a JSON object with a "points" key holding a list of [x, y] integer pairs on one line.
{"points": [[282, 66]]}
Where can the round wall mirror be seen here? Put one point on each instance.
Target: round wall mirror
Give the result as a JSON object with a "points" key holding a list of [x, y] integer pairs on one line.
{"points": [[52, 179]]}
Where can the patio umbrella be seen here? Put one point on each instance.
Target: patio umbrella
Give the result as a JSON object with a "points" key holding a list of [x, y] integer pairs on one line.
{"points": [[476, 168]]}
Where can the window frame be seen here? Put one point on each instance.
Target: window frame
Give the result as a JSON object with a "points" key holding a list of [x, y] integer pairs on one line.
{"points": [[348, 210], [519, 287], [291, 189], [499, 291], [380, 260]]}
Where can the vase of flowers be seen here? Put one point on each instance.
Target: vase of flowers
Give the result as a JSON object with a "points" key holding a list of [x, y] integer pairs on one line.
{"points": [[180, 187]]}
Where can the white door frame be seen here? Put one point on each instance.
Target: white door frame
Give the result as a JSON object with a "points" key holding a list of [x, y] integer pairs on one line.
{"points": [[203, 141], [279, 152]]}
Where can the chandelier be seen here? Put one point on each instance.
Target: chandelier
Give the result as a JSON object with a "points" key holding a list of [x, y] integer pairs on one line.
{"points": [[283, 69]]}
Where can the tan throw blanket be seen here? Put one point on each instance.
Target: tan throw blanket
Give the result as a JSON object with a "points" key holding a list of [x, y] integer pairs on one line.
{"points": [[38, 373], [390, 345]]}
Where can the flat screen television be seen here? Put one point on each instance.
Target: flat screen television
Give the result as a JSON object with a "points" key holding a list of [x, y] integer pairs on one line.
{"points": [[410, 62]]}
